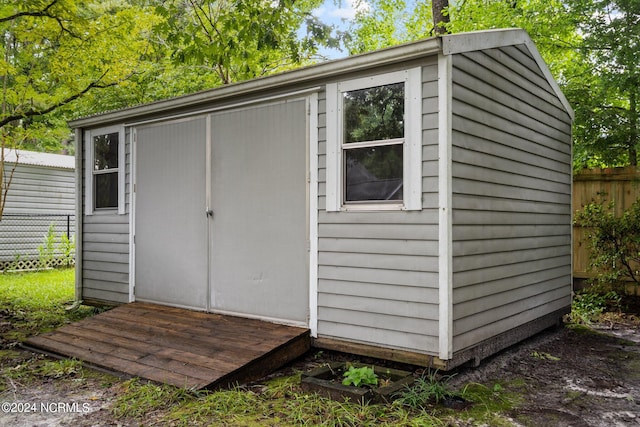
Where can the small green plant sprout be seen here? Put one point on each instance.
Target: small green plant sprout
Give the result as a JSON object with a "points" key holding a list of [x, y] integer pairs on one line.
{"points": [[67, 248], [544, 356], [360, 376], [46, 251]]}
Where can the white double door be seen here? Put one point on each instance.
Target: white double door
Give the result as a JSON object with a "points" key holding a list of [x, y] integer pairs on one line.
{"points": [[220, 212]]}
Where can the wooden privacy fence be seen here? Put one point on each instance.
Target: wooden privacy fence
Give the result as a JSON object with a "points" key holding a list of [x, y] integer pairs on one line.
{"points": [[620, 185]]}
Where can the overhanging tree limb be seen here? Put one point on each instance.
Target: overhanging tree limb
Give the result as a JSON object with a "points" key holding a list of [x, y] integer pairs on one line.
{"points": [[39, 112], [44, 13], [41, 13]]}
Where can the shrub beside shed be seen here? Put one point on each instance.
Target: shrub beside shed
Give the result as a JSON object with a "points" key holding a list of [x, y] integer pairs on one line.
{"points": [[412, 203]]}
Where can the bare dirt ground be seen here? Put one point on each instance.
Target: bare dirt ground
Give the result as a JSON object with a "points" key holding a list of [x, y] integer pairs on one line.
{"points": [[563, 377], [570, 377]]}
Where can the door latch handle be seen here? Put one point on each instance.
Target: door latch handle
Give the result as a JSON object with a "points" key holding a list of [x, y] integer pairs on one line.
{"points": [[209, 212]]}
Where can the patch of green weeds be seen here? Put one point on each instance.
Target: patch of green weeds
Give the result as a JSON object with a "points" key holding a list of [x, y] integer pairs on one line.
{"points": [[60, 368], [137, 398], [489, 404], [574, 395], [541, 355], [36, 369], [281, 402], [580, 328], [429, 388], [588, 305]]}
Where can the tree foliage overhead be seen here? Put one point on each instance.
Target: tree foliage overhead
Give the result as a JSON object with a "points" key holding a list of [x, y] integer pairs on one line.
{"points": [[606, 102], [240, 39], [62, 59], [53, 52], [591, 47]]}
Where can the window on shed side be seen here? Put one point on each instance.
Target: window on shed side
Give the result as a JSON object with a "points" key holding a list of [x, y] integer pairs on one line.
{"points": [[105, 170], [374, 142]]}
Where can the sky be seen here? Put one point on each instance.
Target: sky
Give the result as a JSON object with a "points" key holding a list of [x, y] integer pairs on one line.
{"points": [[339, 13], [334, 13]]}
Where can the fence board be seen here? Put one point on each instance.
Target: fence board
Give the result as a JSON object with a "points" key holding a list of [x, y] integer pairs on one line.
{"points": [[620, 185]]}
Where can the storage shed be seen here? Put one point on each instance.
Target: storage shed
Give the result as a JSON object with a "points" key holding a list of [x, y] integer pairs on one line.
{"points": [[41, 195], [412, 203]]}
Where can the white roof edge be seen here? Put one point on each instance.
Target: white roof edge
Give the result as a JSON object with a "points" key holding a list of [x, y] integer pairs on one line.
{"points": [[404, 52], [39, 159], [490, 39]]}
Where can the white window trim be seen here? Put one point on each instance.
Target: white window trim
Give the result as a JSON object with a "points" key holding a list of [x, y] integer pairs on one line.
{"points": [[88, 144], [412, 152]]}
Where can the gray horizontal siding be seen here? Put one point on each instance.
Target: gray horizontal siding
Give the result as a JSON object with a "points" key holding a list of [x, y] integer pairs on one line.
{"points": [[38, 197], [511, 195], [485, 325], [105, 251], [378, 279], [105, 248], [42, 190]]}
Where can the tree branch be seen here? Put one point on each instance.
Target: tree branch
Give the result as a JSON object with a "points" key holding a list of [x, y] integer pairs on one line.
{"points": [[36, 112], [42, 13]]}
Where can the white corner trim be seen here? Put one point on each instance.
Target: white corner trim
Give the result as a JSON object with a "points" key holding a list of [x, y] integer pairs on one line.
{"points": [[79, 171], [313, 213], [122, 156], [132, 215], [333, 171], [445, 216], [88, 150], [412, 178]]}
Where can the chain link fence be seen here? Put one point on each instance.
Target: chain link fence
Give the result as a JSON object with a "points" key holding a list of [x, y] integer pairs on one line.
{"points": [[36, 241]]}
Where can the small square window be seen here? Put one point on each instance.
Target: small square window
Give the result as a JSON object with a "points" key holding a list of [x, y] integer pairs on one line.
{"points": [[105, 170], [374, 146], [372, 143]]}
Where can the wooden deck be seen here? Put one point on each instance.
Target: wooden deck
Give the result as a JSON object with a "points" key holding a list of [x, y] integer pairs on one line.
{"points": [[176, 346]]}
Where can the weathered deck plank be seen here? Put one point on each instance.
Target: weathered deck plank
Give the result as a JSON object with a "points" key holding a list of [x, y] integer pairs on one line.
{"points": [[176, 346]]}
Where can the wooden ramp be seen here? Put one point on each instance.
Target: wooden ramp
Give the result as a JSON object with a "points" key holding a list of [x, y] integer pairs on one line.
{"points": [[176, 346]]}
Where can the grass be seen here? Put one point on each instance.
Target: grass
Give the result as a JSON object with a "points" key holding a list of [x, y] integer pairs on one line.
{"points": [[35, 302], [32, 303]]}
